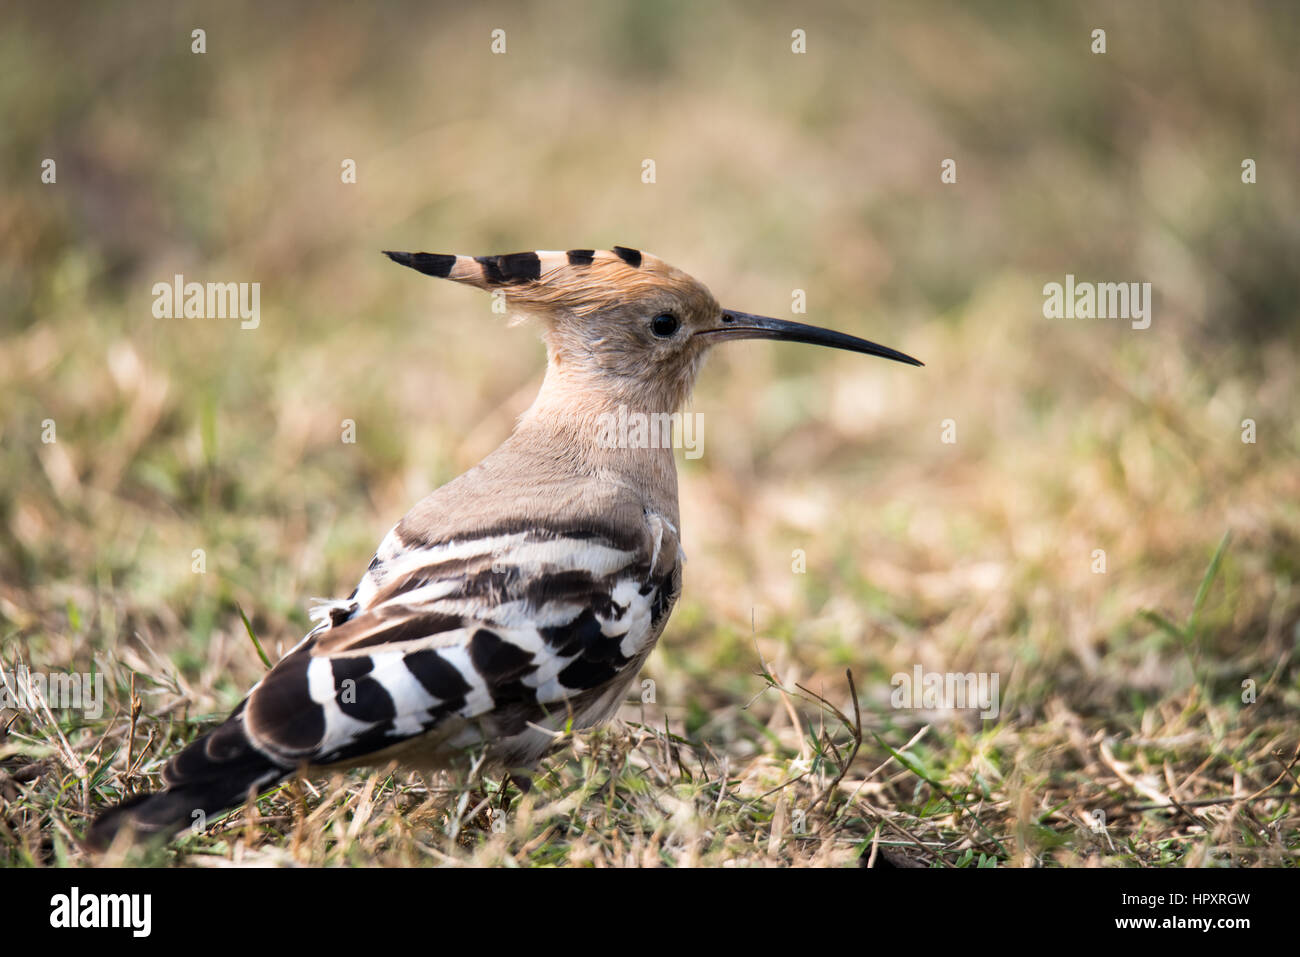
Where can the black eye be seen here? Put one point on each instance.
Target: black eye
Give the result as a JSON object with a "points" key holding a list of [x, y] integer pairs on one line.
{"points": [[664, 326]]}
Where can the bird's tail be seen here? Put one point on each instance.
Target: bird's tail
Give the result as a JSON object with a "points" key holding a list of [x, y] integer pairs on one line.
{"points": [[213, 773]]}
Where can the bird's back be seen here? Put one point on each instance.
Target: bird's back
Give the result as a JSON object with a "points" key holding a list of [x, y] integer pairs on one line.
{"points": [[496, 603]]}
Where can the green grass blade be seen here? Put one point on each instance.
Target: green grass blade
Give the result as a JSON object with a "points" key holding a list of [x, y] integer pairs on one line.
{"points": [[248, 626], [1210, 574]]}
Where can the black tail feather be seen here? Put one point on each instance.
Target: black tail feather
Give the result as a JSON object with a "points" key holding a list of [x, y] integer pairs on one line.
{"points": [[213, 773]]}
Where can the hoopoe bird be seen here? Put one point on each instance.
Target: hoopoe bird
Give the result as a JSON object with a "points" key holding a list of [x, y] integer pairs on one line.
{"points": [[518, 597]]}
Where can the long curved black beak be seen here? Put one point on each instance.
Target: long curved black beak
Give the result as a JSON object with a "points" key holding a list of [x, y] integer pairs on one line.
{"points": [[744, 325]]}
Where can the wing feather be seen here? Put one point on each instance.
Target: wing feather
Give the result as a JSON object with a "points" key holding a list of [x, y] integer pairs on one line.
{"points": [[498, 632]]}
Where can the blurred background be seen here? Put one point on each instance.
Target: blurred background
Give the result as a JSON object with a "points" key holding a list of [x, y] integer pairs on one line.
{"points": [[774, 171]]}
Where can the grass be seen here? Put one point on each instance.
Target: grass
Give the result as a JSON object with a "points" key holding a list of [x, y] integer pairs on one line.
{"points": [[198, 492], [1184, 782]]}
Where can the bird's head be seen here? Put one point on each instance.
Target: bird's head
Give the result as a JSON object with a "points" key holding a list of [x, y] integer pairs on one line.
{"points": [[621, 322]]}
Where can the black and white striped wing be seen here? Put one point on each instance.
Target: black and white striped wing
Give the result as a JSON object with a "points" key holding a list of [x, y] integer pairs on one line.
{"points": [[477, 639]]}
